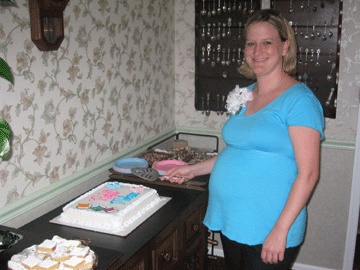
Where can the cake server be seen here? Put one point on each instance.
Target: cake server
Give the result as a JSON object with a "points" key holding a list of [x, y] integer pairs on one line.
{"points": [[149, 174]]}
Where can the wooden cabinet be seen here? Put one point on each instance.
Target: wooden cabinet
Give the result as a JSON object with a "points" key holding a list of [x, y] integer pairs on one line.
{"points": [[181, 245], [192, 226], [165, 248], [195, 240], [139, 261], [194, 257], [172, 238]]}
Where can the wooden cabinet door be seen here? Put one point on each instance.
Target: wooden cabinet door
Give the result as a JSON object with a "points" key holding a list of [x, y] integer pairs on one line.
{"points": [[165, 249], [140, 261], [192, 227], [194, 257], [195, 240]]}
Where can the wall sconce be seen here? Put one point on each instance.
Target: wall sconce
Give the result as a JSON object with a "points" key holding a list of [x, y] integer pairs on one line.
{"points": [[7, 3], [47, 23]]}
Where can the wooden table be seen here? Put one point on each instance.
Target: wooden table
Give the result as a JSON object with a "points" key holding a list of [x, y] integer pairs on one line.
{"points": [[172, 238]]}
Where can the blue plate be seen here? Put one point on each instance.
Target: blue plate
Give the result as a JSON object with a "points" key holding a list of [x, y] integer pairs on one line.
{"points": [[124, 165]]}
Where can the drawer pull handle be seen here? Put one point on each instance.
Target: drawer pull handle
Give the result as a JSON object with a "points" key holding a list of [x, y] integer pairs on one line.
{"points": [[167, 256], [195, 227], [213, 242]]}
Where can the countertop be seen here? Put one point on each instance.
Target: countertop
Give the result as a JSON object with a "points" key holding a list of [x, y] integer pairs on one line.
{"points": [[110, 249]]}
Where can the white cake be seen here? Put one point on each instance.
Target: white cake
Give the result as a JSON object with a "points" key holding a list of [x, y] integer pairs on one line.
{"points": [[55, 254], [112, 206]]}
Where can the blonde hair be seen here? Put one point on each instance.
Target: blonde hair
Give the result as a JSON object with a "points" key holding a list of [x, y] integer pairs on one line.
{"points": [[285, 33]]}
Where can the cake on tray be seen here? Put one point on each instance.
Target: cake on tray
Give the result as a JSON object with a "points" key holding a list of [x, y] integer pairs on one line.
{"points": [[112, 206]]}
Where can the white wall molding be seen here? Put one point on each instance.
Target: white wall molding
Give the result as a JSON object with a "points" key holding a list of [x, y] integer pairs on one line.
{"points": [[338, 144], [327, 143], [46, 194], [299, 266]]}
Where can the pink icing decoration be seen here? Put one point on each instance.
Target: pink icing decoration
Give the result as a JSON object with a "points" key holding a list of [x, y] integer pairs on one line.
{"points": [[106, 195], [137, 189]]}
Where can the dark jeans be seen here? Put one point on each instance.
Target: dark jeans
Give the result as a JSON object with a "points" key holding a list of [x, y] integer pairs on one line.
{"points": [[245, 257]]}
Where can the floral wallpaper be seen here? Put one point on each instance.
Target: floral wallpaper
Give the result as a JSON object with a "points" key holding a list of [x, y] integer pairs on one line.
{"points": [[108, 87], [341, 128], [124, 73]]}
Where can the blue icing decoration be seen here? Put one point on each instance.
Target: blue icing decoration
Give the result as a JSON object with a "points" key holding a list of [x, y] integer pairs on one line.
{"points": [[114, 185], [120, 199]]}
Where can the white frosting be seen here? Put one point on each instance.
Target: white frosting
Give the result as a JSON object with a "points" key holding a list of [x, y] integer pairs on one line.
{"points": [[62, 267], [66, 250], [70, 243], [129, 205], [58, 239], [15, 266], [73, 261], [48, 264], [48, 244], [31, 261], [31, 250], [80, 251], [41, 256], [90, 258], [18, 258]]}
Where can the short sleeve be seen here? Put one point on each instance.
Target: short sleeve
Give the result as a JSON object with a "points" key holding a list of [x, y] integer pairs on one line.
{"points": [[306, 111]]}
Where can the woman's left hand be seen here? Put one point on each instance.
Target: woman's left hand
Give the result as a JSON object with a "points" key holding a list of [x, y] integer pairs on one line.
{"points": [[274, 246]]}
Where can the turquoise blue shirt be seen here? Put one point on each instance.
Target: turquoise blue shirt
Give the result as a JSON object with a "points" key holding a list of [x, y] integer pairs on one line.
{"points": [[253, 175]]}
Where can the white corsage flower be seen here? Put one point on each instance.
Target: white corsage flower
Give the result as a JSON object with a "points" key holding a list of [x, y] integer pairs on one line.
{"points": [[237, 99]]}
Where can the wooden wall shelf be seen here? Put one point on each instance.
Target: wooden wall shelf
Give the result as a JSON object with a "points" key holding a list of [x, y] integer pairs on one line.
{"points": [[219, 44], [317, 26]]}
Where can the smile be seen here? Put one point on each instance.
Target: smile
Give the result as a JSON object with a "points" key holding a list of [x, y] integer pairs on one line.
{"points": [[260, 60]]}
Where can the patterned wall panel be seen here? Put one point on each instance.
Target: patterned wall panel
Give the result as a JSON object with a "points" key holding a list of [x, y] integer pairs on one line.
{"points": [[108, 87]]}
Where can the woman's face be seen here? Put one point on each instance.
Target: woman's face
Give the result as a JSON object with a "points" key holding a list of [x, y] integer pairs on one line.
{"points": [[263, 49]]}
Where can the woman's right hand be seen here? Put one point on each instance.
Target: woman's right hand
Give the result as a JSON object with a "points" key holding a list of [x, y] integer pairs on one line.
{"points": [[178, 174]]}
